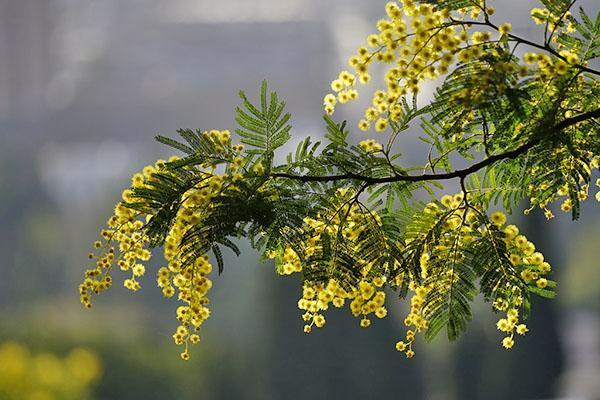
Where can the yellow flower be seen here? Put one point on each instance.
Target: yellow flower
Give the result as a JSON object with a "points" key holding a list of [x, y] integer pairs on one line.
{"points": [[544, 268], [367, 290], [522, 329], [381, 124], [330, 99], [536, 258], [258, 169], [364, 125], [508, 342], [498, 218], [503, 325], [139, 270], [373, 40], [515, 259], [572, 58], [319, 320], [530, 58], [194, 338], [337, 85], [504, 28], [400, 346], [148, 171], [527, 275], [446, 200], [561, 68], [137, 180], [541, 283], [381, 312], [528, 248], [370, 145]]}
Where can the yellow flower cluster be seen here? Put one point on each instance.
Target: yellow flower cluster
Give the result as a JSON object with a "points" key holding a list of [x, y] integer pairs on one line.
{"points": [[46, 376], [368, 295], [316, 298], [366, 298], [499, 72], [189, 279], [510, 325], [533, 269], [420, 42], [416, 318], [122, 244], [290, 261], [370, 146], [529, 263], [344, 87], [581, 190], [556, 22], [549, 68]]}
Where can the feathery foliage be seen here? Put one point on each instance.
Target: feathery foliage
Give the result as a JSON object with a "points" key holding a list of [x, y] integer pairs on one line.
{"points": [[346, 214]]}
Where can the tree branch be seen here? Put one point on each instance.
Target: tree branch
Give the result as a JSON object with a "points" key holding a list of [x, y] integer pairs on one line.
{"points": [[461, 173], [544, 47]]}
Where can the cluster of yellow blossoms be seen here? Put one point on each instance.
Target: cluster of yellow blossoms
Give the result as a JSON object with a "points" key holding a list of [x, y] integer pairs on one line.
{"points": [[556, 23], [46, 376], [416, 318], [189, 279], [542, 16], [582, 192], [370, 146], [528, 263], [366, 298], [532, 267], [123, 243], [420, 42], [316, 296], [547, 68]]}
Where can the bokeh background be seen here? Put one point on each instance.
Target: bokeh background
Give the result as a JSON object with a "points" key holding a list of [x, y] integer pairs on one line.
{"points": [[84, 87]]}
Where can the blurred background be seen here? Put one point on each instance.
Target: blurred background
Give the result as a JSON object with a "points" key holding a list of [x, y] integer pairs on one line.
{"points": [[84, 87]]}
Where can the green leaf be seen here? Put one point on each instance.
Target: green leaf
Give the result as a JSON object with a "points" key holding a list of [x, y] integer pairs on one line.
{"points": [[219, 257], [265, 129]]}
